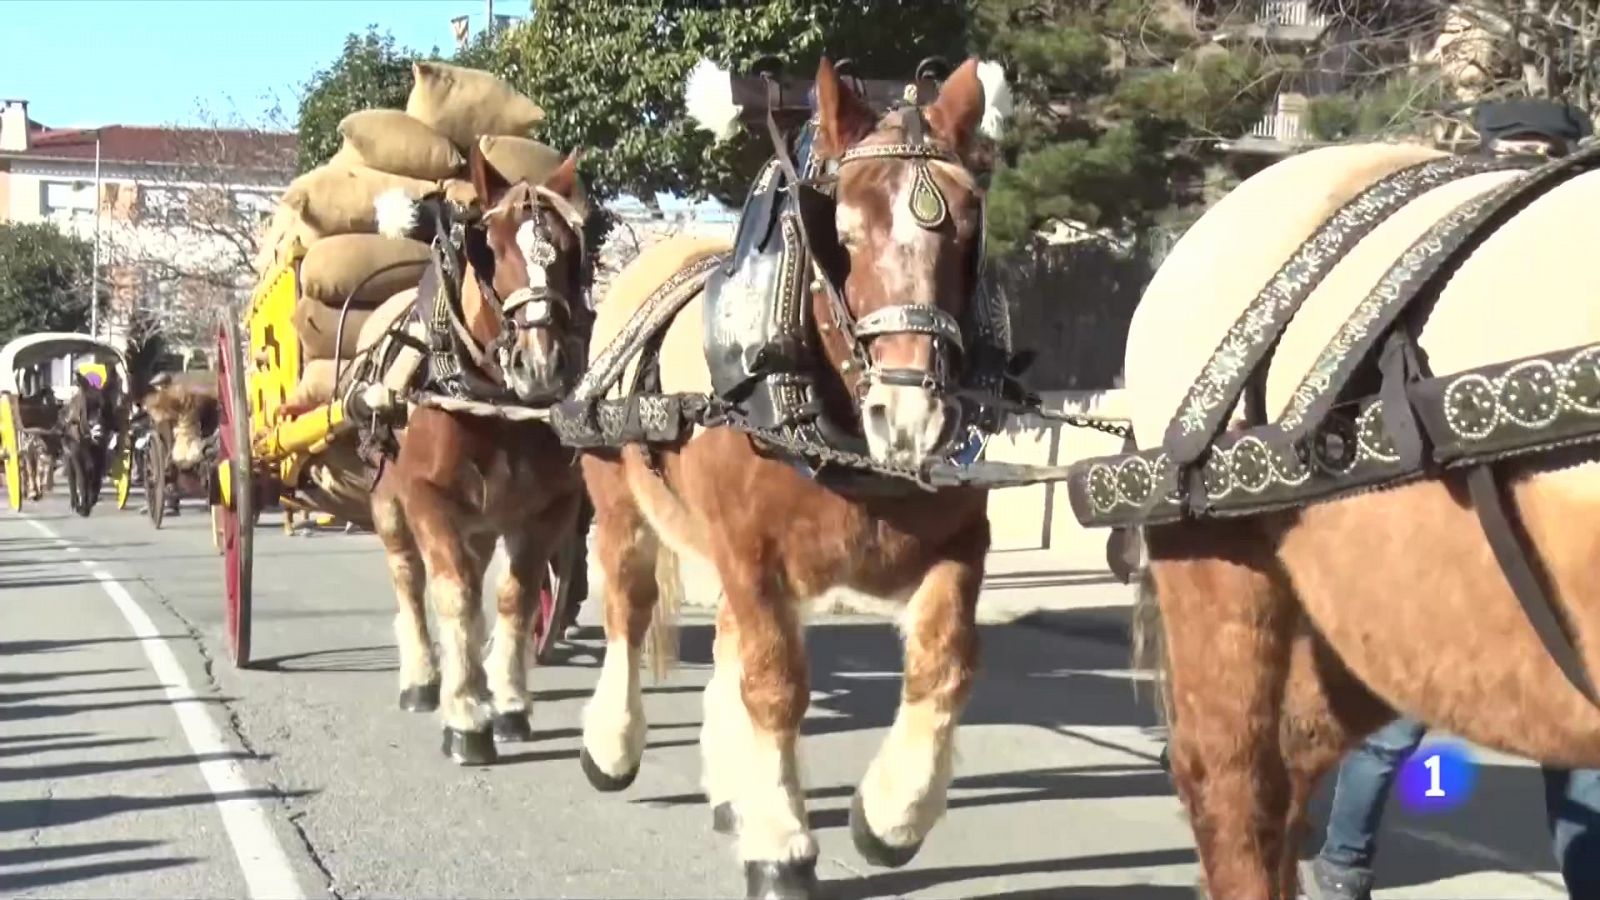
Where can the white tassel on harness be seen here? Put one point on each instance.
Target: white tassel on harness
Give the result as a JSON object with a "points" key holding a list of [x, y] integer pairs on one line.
{"points": [[708, 99], [396, 213]]}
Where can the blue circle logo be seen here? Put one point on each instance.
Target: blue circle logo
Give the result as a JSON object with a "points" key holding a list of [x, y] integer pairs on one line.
{"points": [[1437, 777]]}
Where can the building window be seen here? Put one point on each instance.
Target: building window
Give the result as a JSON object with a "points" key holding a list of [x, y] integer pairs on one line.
{"points": [[67, 200], [164, 206]]}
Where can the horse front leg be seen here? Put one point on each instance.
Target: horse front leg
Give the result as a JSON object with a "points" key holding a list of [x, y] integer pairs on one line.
{"points": [[904, 792], [419, 669], [761, 746], [455, 580], [528, 550], [614, 726]]}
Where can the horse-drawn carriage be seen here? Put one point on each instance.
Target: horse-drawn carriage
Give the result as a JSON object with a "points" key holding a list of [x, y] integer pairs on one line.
{"points": [[310, 409], [175, 440], [88, 431]]}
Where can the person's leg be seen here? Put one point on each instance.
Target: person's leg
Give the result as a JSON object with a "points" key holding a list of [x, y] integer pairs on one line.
{"points": [[1572, 805], [1344, 866]]}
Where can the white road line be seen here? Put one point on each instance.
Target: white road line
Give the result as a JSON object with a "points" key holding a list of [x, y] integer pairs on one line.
{"points": [[267, 872]]}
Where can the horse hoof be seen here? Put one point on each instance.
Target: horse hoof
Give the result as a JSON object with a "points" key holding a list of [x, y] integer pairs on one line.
{"points": [[470, 748], [768, 880], [420, 698], [512, 728], [723, 819], [870, 846], [610, 784]]}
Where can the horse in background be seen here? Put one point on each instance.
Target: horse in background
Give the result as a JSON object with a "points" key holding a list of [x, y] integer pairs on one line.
{"points": [[461, 482], [900, 246], [40, 452], [184, 410], [87, 424]]}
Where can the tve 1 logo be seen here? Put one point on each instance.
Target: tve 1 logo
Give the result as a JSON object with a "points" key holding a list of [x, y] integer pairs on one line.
{"points": [[1437, 777]]}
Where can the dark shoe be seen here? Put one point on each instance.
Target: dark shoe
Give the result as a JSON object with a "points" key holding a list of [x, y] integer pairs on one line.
{"points": [[1322, 880]]}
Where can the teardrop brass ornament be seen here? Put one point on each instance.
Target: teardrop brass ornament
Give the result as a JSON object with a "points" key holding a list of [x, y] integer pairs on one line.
{"points": [[927, 203]]}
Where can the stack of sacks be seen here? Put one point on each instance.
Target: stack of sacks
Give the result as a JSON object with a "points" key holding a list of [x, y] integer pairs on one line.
{"points": [[329, 213]]}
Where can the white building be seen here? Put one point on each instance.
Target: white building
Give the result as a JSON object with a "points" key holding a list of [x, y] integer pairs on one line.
{"points": [[176, 215]]}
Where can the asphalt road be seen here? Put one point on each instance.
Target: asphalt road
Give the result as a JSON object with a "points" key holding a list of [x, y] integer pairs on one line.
{"points": [[136, 761]]}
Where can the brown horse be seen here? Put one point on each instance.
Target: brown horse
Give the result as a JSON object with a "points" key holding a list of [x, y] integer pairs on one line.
{"points": [[462, 482], [184, 409], [777, 540], [1289, 635]]}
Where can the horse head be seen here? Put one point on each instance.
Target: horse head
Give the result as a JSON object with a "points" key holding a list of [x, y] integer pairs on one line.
{"points": [[89, 416], [902, 263], [523, 295]]}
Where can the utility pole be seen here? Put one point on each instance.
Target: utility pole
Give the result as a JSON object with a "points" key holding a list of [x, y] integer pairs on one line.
{"points": [[488, 21], [94, 273]]}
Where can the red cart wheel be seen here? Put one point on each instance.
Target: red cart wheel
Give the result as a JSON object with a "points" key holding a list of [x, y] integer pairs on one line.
{"points": [[562, 591], [237, 508]]}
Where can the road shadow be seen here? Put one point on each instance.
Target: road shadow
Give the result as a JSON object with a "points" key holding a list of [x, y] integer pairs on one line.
{"points": [[56, 771], [28, 696], [30, 815], [38, 878], [67, 746], [25, 677], [29, 711], [377, 658], [17, 648], [901, 882], [1027, 675]]}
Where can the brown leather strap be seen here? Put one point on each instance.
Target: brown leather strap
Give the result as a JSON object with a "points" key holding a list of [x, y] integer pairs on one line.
{"points": [[1512, 552]]}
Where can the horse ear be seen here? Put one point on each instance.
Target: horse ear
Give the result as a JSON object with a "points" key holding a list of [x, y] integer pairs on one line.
{"points": [[955, 116], [489, 184], [842, 117], [563, 182]]}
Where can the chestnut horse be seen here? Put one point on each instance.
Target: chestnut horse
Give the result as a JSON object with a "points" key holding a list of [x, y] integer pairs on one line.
{"points": [[777, 540], [1289, 635], [462, 482]]}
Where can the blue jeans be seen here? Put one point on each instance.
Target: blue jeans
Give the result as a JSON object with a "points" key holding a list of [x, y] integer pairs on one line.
{"points": [[1365, 778], [1571, 797]]}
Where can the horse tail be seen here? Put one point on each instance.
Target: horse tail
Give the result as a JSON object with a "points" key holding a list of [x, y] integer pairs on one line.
{"points": [[661, 639], [1149, 643]]}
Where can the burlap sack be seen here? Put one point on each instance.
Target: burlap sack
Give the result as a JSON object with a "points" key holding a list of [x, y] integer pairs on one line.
{"points": [[463, 104], [391, 141], [337, 265], [317, 324], [338, 199], [275, 245], [522, 159]]}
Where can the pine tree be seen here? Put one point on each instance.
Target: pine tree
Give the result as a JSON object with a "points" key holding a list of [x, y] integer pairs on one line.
{"points": [[1120, 105]]}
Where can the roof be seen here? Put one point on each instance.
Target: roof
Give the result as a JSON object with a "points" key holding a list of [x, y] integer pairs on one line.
{"points": [[33, 349], [171, 146]]}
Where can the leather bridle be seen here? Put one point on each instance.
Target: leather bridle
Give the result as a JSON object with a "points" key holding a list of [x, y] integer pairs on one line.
{"points": [[929, 209]]}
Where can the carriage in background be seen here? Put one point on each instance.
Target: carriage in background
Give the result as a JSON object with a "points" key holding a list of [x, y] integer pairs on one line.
{"points": [[31, 406]]}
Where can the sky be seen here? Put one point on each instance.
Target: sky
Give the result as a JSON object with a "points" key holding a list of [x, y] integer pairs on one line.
{"points": [[83, 63]]}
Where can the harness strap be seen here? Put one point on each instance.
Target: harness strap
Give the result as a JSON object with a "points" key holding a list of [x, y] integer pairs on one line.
{"points": [[1513, 555]]}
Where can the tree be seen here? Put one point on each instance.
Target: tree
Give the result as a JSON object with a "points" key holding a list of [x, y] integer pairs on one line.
{"points": [[371, 73], [179, 243], [610, 76], [1120, 105], [45, 277]]}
